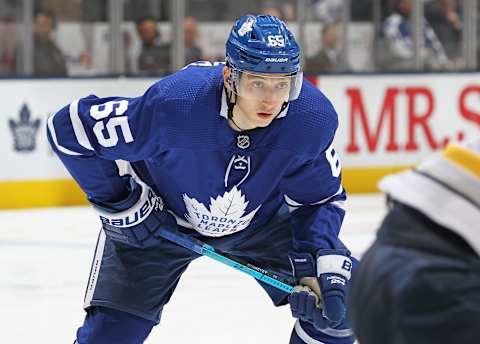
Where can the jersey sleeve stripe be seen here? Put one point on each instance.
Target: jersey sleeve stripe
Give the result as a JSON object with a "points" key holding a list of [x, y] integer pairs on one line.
{"points": [[293, 205], [51, 129], [339, 204], [325, 200], [78, 128], [291, 202], [329, 331]]}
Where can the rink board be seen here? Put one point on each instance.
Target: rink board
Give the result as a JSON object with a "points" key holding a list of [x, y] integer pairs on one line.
{"points": [[386, 123]]}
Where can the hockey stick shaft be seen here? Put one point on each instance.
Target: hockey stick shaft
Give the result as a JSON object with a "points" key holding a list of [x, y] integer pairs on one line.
{"points": [[203, 249]]}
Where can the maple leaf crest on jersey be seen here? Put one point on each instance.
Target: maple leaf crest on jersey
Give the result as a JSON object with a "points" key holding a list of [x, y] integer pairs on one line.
{"points": [[226, 214]]}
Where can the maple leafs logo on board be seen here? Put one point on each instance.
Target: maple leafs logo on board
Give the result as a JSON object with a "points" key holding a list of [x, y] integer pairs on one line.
{"points": [[24, 131]]}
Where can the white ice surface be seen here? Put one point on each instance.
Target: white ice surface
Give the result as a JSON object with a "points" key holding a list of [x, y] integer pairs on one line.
{"points": [[45, 258]]}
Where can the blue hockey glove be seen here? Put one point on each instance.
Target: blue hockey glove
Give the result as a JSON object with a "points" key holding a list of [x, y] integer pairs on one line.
{"points": [[134, 220], [320, 297]]}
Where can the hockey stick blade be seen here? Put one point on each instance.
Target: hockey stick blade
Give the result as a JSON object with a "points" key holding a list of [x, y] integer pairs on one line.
{"points": [[195, 245]]}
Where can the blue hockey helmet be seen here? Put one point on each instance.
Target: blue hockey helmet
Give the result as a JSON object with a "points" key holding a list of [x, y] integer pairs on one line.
{"points": [[264, 45]]}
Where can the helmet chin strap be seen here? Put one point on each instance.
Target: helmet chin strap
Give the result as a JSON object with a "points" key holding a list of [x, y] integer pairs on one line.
{"points": [[231, 105], [284, 106]]}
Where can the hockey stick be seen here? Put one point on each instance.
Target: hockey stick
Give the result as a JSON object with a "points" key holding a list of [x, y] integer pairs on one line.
{"points": [[203, 249]]}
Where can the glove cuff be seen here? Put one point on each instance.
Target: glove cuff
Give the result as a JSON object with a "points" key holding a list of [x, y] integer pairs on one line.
{"points": [[334, 262], [303, 265], [147, 202]]}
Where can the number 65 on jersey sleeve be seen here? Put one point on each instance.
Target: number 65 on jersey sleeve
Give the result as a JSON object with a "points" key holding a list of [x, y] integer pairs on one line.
{"points": [[110, 128]]}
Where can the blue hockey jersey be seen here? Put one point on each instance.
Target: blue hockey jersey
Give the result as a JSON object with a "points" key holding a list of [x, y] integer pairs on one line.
{"points": [[215, 180]]}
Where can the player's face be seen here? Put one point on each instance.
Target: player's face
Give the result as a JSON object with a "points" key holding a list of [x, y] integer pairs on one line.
{"points": [[260, 98], [257, 113]]}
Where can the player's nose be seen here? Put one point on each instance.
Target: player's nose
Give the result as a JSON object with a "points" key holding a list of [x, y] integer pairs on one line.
{"points": [[268, 100]]}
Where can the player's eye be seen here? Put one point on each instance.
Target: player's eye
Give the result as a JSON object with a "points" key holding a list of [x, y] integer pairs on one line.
{"points": [[258, 84], [282, 85]]}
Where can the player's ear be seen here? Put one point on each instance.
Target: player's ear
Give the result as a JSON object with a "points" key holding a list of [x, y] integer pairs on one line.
{"points": [[226, 73]]}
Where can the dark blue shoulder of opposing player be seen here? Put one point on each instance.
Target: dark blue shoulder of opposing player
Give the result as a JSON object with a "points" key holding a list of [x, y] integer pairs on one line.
{"points": [[311, 122]]}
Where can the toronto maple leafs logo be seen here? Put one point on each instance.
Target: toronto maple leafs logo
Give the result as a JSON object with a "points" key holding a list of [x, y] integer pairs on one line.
{"points": [[225, 216], [247, 26], [24, 131]]}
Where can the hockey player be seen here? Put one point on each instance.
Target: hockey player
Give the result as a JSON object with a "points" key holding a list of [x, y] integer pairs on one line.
{"points": [[217, 151], [420, 281]]}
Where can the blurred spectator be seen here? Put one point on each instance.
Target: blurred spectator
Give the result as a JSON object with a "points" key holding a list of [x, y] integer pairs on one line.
{"points": [[397, 32], [7, 47], [360, 10], [273, 11], [7, 36], [61, 9], [327, 59], [328, 11], [154, 57], [8, 9], [445, 21], [282, 9], [192, 51], [48, 59]]}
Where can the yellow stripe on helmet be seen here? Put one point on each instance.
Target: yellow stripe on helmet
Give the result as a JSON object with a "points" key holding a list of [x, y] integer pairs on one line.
{"points": [[467, 159]]}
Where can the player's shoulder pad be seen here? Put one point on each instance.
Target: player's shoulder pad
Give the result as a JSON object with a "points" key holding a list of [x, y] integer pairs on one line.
{"points": [[191, 82], [311, 122], [186, 101]]}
